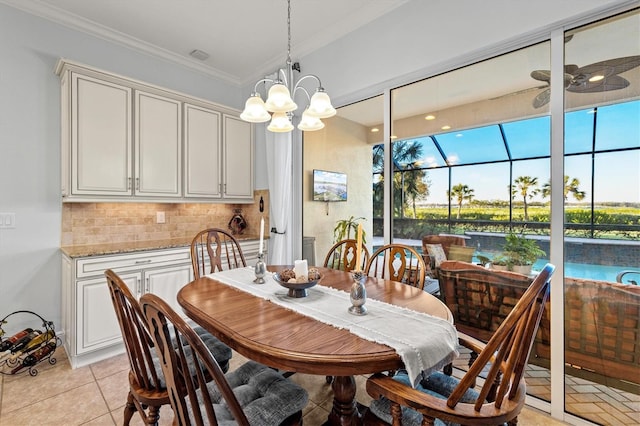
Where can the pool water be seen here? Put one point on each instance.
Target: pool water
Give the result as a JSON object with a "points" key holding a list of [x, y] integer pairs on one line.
{"points": [[582, 270], [594, 272]]}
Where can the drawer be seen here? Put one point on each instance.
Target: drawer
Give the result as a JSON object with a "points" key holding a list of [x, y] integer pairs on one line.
{"points": [[96, 265]]}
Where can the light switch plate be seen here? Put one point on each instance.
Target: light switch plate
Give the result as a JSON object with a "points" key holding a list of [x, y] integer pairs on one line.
{"points": [[160, 217], [7, 220]]}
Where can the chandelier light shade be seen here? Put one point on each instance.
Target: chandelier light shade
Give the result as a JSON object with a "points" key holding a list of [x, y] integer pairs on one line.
{"points": [[254, 110], [279, 99], [280, 106], [320, 105], [309, 122], [280, 123]]}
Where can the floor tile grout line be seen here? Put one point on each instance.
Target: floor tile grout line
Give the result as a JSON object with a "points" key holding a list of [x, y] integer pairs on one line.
{"points": [[106, 404]]}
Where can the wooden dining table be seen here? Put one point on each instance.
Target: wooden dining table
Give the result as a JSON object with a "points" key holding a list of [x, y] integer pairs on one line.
{"points": [[289, 341]]}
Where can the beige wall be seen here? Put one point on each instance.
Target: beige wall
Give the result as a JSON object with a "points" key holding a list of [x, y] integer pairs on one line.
{"points": [[100, 223], [340, 147]]}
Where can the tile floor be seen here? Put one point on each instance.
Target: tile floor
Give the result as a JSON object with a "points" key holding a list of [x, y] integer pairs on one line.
{"points": [[95, 395]]}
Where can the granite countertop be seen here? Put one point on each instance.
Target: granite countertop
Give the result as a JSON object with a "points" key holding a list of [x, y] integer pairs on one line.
{"points": [[85, 250]]}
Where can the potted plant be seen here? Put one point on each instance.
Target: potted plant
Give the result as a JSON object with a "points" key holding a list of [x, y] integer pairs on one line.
{"points": [[343, 229], [518, 255]]}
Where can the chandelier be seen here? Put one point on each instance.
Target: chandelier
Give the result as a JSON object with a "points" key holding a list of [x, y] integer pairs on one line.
{"points": [[280, 106]]}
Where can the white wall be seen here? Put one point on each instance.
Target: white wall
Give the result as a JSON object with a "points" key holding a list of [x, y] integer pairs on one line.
{"points": [[30, 145], [340, 147]]}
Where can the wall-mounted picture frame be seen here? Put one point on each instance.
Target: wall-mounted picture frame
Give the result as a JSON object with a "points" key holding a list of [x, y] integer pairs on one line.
{"points": [[329, 186]]}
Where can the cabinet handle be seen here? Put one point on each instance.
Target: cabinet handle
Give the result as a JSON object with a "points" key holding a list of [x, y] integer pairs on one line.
{"points": [[137, 184], [138, 288], [225, 188], [140, 262], [146, 285], [128, 183]]}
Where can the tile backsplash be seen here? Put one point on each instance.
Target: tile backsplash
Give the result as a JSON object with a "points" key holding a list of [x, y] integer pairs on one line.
{"points": [[99, 223]]}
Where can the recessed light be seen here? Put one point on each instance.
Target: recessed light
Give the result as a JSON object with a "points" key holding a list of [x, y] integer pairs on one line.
{"points": [[374, 130], [445, 127], [430, 117]]}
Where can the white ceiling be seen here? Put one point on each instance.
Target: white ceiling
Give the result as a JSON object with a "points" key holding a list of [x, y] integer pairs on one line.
{"points": [[174, 28], [247, 39]]}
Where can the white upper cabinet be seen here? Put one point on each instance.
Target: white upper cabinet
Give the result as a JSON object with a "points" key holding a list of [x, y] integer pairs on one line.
{"points": [[101, 149], [125, 140], [158, 146], [202, 151], [238, 158]]}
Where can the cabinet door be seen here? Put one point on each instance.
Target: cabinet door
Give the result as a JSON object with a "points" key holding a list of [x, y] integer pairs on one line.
{"points": [[158, 168], [202, 149], [238, 158], [97, 322], [100, 137], [166, 282]]}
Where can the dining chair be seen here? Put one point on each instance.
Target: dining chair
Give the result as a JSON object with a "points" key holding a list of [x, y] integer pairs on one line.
{"points": [[147, 388], [252, 394], [502, 361], [397, 262], [212, 248], [343, 256]]}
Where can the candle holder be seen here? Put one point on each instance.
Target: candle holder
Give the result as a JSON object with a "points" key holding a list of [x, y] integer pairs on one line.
{"points": [[358, 294], [260, 269]]}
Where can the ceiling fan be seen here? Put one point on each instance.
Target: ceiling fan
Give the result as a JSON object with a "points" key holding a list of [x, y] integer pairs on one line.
{"points": [[597, 77]]}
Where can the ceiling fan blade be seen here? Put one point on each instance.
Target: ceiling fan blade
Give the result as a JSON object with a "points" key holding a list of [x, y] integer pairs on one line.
{"points": [[545, 75], [541, 75], [610, 66], [570, 69], [613, 82], [542, 98]]}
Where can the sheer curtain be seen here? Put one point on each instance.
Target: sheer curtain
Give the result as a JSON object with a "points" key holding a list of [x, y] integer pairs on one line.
{"points": [[279, 171]]}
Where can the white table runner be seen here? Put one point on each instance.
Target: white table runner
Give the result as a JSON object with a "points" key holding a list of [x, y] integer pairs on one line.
{"points": [[424, 342]]}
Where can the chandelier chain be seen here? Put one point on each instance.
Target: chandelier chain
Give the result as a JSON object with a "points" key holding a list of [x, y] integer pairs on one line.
{"points": [[289, 30]]}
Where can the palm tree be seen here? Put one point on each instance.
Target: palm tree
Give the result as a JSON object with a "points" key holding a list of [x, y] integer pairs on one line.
{"points": [[461, 193], [409, 183], [527, 187], [570, 187]]}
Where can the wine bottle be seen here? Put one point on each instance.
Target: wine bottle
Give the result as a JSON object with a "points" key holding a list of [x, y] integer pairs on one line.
{"points": [[34, 344], [20, 343], [33, 358], [9, 341]]}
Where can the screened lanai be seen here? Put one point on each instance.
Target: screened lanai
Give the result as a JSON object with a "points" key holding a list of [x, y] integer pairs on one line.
{"points": [[497, 147]]}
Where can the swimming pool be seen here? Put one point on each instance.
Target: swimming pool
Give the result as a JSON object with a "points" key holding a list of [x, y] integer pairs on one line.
{"points": [[582, 270]]}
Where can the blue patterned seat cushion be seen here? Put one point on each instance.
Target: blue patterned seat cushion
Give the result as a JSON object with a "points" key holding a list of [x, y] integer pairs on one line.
{"points": [[437, 384], [266, 397]]}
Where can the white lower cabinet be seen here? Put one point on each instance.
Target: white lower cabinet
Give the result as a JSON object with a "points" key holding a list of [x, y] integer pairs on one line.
{"points": [[166, 282], [90, 326], [91, 329], [97, 324]]}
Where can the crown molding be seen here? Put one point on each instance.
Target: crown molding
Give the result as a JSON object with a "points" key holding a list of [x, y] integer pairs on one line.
{"points": [[53, 14]]}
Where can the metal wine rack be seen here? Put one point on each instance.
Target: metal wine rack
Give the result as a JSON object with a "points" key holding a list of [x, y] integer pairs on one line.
{"points": [[28, 357]]}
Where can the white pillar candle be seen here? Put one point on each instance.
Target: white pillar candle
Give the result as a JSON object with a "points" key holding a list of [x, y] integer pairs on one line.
{"points": [[301, 268], [358, 266], [261, 236]]}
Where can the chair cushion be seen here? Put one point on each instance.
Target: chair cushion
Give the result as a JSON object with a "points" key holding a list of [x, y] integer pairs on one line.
{"points": [[266, 397], [221, 353], [436, 253], [462, 253], [436, 381]]}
